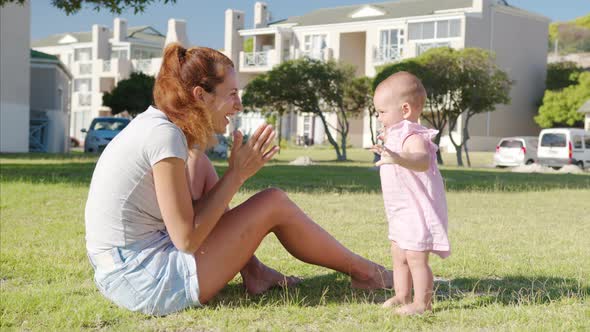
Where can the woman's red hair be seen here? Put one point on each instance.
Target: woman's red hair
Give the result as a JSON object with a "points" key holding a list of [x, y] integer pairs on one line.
{"points": [[181, 71]]}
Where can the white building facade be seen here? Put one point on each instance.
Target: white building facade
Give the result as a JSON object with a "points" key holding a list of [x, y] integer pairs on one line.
{"points": [[372, 35], [102, 57], [15, 32]]}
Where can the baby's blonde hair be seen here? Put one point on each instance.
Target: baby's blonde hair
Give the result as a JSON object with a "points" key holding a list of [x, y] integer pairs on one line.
{"points": [[405, 87]]}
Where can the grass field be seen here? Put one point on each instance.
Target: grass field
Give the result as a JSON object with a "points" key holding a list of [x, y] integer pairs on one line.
{"points": [[521, 255]]}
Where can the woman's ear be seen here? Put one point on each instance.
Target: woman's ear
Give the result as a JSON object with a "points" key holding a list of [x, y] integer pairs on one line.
{"points": [[199, 94]]}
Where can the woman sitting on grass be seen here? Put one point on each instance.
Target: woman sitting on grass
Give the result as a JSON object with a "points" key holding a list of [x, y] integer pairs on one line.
{"points": [[159, 233]]}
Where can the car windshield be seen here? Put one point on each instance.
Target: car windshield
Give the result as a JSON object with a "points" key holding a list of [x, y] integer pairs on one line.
{"points": [[511, 144], [553, 140], [109, 124]]}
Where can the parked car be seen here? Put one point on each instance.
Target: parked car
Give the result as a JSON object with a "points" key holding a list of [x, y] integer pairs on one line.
{"points": [[514, 151], [564, 146], [101, 131]]}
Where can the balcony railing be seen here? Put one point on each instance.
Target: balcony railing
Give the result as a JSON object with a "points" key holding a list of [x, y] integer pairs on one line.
{"points": [[387, 54], [423, 47], [256, 59], [143, 65]]}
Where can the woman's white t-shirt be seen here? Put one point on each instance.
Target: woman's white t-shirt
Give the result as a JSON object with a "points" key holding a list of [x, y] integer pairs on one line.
{"points": [[122, 207]]}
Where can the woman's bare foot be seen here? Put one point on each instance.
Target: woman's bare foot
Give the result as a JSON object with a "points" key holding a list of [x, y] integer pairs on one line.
{"points": [[397, 301], [413, 309], [258, 278], [381, 278]]}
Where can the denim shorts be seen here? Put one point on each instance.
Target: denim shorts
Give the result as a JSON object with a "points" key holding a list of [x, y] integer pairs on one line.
{"points": [[150, 276]]}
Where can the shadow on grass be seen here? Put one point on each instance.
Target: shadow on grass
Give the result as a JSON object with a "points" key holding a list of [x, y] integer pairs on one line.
{"points": [[466, 293], [345, 178], [321, 290], [462, 293]]}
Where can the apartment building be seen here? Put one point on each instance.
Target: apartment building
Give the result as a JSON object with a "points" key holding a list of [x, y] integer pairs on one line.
{"points": [[100, 58], [371, 35]]}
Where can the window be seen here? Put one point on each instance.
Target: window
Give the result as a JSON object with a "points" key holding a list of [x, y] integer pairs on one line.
{"points": [[587, 142], [119, 54], [314, 45], [553, 140], [390, 45], [577, 142], [511, 144], [82, 85], [428, 30], [83, 54], [423, 47]]}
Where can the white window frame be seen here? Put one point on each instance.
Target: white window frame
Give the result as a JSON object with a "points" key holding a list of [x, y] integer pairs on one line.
{"points": [[436, 27]]}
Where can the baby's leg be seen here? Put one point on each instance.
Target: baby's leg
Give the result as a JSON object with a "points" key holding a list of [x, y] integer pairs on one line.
{"points": [[423, 283], [402, 280]]}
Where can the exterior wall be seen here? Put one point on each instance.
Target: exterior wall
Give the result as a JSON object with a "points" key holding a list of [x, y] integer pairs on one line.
{"points": [[509, 34], [50, 97], [14, 77], [587, 122]]}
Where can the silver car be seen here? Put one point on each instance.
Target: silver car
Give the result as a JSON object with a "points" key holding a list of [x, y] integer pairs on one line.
{"points": [[102, 130], [515, 151]]}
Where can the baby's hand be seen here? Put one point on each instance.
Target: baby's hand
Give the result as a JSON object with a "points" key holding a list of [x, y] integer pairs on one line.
{"points": [[386, 155]]}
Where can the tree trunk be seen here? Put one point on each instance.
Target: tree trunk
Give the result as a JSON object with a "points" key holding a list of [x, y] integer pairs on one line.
{"points": [[329, 134], [458, 147], [466, 138], [439, 159]]}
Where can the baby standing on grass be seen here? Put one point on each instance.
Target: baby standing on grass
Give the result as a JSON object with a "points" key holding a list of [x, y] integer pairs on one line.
{"points": [[413, 191]]}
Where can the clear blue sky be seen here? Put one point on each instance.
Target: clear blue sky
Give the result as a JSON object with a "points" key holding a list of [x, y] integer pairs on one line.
{"points": [[205, 18]]}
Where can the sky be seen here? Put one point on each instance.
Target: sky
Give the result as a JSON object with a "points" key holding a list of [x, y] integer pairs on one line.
{"points": [[205, 18]]}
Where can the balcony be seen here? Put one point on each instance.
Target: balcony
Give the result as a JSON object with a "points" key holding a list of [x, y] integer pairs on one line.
{"points": [[385, 54], [324, 54], [147, 66], [257, 61]]}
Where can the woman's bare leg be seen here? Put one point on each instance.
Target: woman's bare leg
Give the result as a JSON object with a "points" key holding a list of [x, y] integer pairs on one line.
{"points": [[234, 240], [256, 276]]}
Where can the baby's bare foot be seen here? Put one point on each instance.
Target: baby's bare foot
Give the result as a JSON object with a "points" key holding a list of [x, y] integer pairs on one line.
{"points": [[396, 301], [413, 309], [381, 278]]}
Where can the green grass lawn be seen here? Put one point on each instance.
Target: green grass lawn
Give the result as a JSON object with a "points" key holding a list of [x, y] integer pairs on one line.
{"points": [[521, 255]]}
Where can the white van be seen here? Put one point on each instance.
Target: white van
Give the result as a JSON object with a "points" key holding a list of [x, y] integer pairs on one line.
{"points": [[564, 146]]}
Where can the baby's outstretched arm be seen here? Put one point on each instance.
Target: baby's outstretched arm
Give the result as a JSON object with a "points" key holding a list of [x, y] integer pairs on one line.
{"points": [[415, 155]]}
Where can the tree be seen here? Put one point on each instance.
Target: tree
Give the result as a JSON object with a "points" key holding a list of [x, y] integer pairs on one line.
{"points": [[560, 108], [113, 6], [308, 86], [482, 85], [133, 95], [562, 74]]}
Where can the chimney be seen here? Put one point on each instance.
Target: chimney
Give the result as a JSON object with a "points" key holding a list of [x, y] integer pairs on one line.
{"points": [[119, 29], [176, 32], [234, 21], [260, 15], [100, 42]]}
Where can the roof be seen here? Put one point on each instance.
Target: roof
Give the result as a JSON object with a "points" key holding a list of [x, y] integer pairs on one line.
{"points": [[40, 57], [139, 33], [44, 56], [585, 108], [390, 10]]}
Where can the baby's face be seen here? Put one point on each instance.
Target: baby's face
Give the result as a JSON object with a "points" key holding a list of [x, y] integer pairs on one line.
{"points": [[389, 110]]}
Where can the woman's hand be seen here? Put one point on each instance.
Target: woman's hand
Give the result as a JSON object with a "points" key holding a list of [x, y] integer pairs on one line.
{"points": [[246, 159]]}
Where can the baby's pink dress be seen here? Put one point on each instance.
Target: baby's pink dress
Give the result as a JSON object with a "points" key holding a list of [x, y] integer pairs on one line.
{"points": [[415, 202]]}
